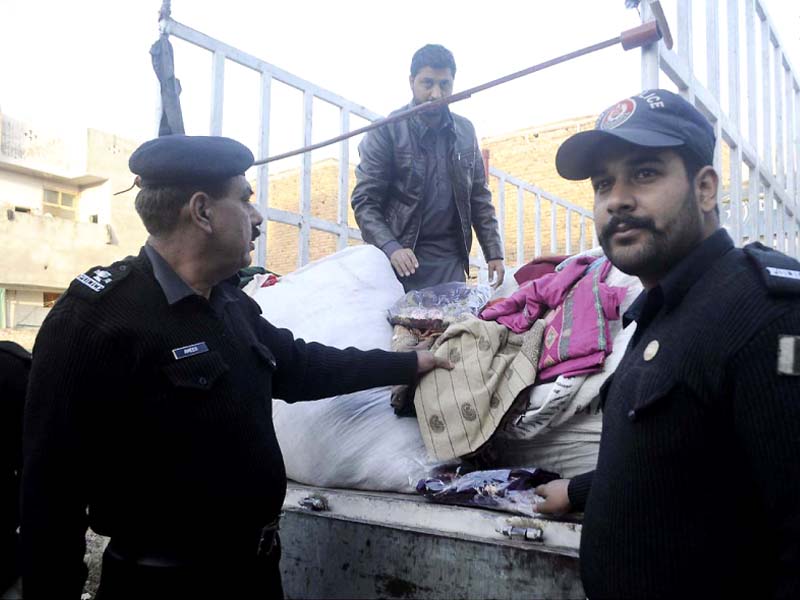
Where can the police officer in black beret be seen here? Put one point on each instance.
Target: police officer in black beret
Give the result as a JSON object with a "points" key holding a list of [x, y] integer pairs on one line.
{"points": [[697, 486], [150, 399]]}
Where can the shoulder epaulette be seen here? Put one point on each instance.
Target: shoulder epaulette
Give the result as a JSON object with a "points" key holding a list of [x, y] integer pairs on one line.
{"points": [[779, 273], [99, 281]]}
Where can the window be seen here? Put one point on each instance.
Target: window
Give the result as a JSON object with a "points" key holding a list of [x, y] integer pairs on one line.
{"points": [[49, 299], [60, 204]]}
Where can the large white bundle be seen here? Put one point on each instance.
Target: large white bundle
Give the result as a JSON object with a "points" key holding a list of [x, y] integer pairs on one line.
{"points": [[353, 441], [340, 300]]}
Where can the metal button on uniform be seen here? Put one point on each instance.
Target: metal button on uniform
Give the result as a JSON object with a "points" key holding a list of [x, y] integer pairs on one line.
{"points": [[123, 267], [651, 350], [631, 414], [202, 381]]}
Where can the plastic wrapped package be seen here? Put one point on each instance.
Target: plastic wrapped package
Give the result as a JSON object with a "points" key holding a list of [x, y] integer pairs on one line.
{"points": [[438, 306], [508, 490]]}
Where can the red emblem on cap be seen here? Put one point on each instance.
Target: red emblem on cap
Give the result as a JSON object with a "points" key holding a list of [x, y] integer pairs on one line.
{"points": [[617, 114]]}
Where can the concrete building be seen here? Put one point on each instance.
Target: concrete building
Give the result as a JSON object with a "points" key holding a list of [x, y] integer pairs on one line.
{"points": [[58, 215]]}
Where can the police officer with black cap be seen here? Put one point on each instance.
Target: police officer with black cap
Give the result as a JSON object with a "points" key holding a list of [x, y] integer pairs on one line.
{"points": [[148, 416], [697, 487]]}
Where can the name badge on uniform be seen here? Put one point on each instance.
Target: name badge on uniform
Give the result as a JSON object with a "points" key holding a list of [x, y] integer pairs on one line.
{"points": [[190, 350]]}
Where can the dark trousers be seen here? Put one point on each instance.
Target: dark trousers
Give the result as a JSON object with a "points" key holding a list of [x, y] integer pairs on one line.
{"points": [[227, 577]]}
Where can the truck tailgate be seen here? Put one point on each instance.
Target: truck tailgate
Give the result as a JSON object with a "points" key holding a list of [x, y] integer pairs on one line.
{"points": [[387, 545]]}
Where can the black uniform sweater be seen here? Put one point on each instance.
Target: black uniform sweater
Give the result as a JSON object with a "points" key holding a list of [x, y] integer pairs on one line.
{"points": [[158, 418], [697, 486]]}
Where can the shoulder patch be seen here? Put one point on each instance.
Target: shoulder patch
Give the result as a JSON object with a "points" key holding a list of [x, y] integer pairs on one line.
{"points": [[98, 281], [779, 273], [789, 355]]}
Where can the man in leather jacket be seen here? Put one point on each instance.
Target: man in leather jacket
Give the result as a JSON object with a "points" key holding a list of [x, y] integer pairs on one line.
{"points": [[421, 186]]}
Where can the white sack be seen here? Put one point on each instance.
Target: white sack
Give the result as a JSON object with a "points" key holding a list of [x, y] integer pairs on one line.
{"points": [[352, 441], [340, 300]]}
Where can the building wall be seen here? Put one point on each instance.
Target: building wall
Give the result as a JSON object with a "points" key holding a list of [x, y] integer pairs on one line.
{"points": [[284, 193], [108, 154], [529, 154], [43, 252], [17, 189], [47, 253]]}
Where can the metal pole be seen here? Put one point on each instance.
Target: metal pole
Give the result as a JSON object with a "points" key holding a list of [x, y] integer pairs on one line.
{"points": [[643, 35]]}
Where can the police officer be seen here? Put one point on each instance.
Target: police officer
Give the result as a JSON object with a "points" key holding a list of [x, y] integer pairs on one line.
{"points": [[697, 487], [150, 399]]}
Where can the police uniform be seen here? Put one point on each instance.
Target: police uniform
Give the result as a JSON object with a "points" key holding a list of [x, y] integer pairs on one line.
{"points": [[697, 487], [151, 405], [15, 363]]}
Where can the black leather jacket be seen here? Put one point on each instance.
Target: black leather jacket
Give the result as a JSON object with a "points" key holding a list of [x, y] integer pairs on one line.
{"points": [[390, 182]]}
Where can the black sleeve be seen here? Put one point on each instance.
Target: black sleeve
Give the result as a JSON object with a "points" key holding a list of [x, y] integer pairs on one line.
{"points": [[484, 219], [578, 490], [370, 194], [766, 408], [13, 382], [73, 366], [308, 371]]}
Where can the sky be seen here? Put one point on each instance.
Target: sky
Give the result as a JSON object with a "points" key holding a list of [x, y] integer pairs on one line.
{"points": [[86, 63]]}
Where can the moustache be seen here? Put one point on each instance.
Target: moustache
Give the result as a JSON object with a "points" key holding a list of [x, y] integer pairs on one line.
{"points": [[628, 221], [255, 233]]}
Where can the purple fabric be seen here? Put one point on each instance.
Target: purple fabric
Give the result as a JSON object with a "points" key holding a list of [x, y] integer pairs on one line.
{"points": [[577, 338]]}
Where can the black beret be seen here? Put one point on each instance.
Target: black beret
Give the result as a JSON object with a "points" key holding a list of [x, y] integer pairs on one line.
{"points": [[187, 159]]}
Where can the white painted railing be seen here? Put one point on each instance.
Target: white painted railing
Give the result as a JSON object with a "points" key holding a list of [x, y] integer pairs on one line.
{"points": [[303, 218], [757, 118], [522, 191]]}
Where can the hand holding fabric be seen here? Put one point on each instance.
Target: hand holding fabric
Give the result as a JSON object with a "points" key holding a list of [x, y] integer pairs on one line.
{"points": [[427, 361]]}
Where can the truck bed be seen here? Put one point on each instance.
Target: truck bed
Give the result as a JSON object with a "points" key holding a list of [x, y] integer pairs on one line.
{"points": [[387, 545]]}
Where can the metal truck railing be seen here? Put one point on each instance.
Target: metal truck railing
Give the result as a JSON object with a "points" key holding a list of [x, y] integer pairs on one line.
{"points": [[762, 206], [756, 114], [303, 218], [546, 209]]}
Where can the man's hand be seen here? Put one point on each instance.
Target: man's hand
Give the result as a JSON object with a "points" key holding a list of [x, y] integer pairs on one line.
{"points": [[556, 498], [497, 272], [404, 261], [427, 361]]}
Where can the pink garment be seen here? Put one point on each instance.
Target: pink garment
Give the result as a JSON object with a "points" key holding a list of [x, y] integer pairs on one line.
{"points": [[576, 338], [538, 267]]}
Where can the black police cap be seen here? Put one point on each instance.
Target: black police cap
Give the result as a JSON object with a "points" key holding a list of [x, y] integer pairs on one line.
{"points": [[187, 159], [652, 119]]}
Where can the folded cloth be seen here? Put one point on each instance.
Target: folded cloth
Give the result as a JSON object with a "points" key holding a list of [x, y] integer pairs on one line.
{"points": [[576, 339], [459, 410]]}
